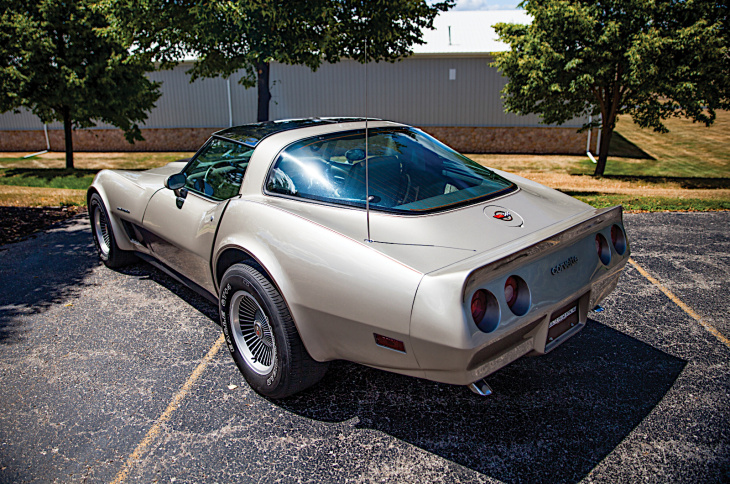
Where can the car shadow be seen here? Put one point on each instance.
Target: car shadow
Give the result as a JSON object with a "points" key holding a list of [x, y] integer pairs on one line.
{"points": [[43, 270], [52, 267], [552, 418], [145, 271]]}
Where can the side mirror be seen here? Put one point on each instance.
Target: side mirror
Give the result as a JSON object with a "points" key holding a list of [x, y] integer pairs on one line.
{"points": [[176, 181]]}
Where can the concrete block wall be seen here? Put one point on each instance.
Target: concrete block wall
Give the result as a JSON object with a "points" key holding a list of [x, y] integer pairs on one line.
{"points": [[177, 139], [464, 139], [513, 140]]}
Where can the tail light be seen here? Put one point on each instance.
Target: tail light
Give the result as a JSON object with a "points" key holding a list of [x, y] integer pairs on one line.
{"points": [[479, 306], [604, 252], [485, 310], [510, 291], [618, 239], [517, 295]]}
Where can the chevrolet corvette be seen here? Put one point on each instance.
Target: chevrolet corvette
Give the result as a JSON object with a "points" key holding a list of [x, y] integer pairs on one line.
{"points": [[363, 240]]}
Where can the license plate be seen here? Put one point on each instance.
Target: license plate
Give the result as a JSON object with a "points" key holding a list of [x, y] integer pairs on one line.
{"points": [[562, 320]]}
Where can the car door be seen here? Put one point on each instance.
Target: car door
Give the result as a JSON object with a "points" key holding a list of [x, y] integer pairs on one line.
{"points": [[182, 224]]}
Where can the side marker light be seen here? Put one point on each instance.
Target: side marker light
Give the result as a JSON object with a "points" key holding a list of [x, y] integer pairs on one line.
{"points": [[391, 343]]}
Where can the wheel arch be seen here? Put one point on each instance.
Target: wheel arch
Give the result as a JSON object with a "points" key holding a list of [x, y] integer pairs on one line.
{"points": [[120, 234], [234, 254]]}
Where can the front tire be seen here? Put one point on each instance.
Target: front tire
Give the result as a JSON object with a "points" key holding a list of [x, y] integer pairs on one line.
{"points": [[104, 240], [262, 337]]}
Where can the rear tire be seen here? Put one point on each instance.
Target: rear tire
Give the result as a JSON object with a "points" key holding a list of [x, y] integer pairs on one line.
{"points": [[104, 240], [262, 337]]}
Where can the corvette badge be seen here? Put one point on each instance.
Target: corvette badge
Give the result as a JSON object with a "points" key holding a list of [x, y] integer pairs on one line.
{"points": [[502, 215]]}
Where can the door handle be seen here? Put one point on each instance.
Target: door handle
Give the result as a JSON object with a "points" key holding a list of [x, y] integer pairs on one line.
{"points": [[181, 195]]}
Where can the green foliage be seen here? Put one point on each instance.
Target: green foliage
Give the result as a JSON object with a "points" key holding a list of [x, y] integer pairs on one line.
{"points": [[60, 60], [226, 36], [651, 59]]}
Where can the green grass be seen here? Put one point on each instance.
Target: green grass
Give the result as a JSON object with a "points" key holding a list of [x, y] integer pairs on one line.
{"points": [[688, 150], [121, 160], [690, 156], [47, 178]]}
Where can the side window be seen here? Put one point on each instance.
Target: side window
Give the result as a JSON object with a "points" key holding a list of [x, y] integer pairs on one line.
{"points": [[217, 172]]}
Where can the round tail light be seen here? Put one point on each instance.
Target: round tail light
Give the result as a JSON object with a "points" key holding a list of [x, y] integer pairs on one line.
{"points": [[485, 310], [603, 250], [510, 291], [517, 295], [479, 306], [618, 239]]}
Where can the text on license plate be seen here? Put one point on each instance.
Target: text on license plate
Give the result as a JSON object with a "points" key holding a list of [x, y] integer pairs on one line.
{"points": [[565, 318]]}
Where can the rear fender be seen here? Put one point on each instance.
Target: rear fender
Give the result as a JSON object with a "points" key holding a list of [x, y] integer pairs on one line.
{"points": [[339, 290]]}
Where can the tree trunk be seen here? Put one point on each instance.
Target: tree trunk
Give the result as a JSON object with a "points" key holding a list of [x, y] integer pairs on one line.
{"points": [[66, 111], [606, 133], [263, 69]]}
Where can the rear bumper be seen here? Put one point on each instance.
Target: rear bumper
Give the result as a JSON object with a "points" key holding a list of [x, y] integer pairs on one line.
{"points": [[459, 353]]}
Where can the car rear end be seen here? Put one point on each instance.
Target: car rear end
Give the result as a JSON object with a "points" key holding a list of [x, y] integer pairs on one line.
{"points": [[528, 296]]}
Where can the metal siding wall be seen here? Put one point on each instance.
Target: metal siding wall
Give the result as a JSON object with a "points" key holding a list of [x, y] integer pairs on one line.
{"points": [[23, 120], [415, 91], [244, 102], [201, 104]]}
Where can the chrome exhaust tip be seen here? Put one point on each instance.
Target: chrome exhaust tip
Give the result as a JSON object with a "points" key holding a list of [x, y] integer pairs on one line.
{"points": [[481, 387]]}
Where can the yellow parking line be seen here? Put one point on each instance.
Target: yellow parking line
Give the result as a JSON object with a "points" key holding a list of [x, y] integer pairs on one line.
{"points": [[723, 339], [176, 400]]}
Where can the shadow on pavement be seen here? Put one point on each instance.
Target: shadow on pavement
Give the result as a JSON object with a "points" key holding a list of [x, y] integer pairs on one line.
{"points": [[552, 418], [145, 271], [43, 271]]}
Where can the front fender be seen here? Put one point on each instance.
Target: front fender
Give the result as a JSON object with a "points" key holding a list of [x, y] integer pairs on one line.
{"points": [[110, 187]]}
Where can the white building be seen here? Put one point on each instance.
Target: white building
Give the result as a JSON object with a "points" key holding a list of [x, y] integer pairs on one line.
{"points": [[447, 87]]}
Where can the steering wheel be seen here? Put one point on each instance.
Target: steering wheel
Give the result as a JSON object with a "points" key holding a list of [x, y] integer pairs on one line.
{"points": [[207, 172]]}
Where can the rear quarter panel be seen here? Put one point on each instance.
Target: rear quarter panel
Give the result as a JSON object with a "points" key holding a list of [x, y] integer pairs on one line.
{"points": [[339, 290]]}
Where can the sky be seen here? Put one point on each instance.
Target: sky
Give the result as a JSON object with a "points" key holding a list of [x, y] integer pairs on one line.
{"points": [[486, 4]]}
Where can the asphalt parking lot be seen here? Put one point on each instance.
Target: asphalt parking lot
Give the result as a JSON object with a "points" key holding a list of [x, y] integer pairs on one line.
{"points": [[120, 377]]}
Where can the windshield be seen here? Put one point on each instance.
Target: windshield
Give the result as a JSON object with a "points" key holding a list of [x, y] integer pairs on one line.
{"points": [[408, 172]]}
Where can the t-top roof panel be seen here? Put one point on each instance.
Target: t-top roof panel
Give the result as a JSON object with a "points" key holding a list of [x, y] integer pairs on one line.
{"points": [[252, 134]]}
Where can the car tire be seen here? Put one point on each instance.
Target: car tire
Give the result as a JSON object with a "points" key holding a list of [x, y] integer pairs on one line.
{"points": [[104, 240], [262, 337]]}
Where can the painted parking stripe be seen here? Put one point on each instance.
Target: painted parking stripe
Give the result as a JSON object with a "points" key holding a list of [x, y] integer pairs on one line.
{"points": [[717, 334], [174, 404]]}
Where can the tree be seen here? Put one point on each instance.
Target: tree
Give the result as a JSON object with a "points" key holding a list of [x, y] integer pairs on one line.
{"points": [[651, 59], [231, 35], [60, 60]]}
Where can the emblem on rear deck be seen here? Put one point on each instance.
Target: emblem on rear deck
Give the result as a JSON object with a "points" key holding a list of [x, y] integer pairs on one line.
{"points": [[502, 215], [506, 217]]}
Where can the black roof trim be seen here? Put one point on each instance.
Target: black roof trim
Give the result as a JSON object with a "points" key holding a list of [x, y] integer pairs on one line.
{"points": [[252, 134]]}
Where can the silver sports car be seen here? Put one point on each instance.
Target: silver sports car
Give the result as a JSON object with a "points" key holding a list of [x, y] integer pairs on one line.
{"points": [[369, 241]]}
